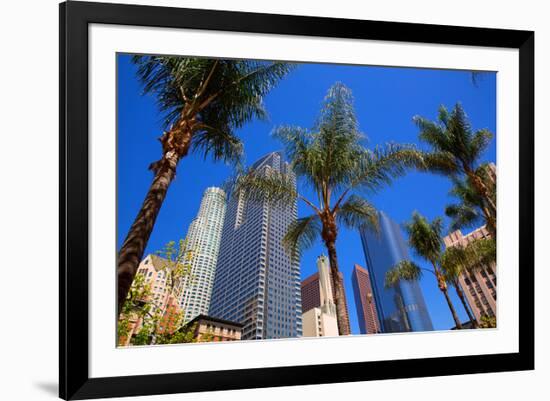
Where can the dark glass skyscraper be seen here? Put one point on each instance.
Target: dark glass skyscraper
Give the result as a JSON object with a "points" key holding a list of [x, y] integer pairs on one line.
{"points": [[257, 283], [401, 308]]}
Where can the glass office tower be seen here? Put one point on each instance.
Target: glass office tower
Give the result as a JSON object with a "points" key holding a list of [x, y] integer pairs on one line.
{"points": [[401, 308], [257, 283]]}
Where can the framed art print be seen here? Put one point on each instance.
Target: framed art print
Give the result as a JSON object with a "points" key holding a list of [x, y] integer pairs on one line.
{"points": [[254, 200]]}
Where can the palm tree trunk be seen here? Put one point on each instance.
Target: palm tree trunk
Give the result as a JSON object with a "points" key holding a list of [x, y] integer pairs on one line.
{"points": [[460, 294], [442, 284], [490, 222], [452, 308], [339, 300], [132, 249]]}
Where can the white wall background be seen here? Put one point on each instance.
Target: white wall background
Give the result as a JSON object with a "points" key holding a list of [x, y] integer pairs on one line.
{"points": [[29, 200]]}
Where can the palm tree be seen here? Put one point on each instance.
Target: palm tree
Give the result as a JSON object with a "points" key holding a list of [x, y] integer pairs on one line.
{"points": [[469, 211], [202, 101], [453, 264], [425, 239], [456, 151], [458, 260], [331, 161]]}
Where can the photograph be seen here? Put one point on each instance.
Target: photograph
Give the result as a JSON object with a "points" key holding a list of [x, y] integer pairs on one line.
{"points": [[275, 200], [290, 200]]}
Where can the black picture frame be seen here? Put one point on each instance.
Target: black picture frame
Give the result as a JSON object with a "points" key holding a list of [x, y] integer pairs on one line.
{"points": [[75, 17]]}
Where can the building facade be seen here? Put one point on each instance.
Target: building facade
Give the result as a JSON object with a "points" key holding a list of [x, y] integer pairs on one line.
{"points": [[319, 324], [367, 314], [321, 320], [401, 308], [311, 288], [203, 242], [206, 328], [257, 282], [162, 298], [480, 285]]}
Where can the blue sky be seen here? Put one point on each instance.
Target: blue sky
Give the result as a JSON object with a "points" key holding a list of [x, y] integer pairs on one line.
{"points": [[386, 99]]}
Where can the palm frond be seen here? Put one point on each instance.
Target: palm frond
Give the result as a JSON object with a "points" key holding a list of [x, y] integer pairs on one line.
{"points": [[221, 95], [405, 270], [425, 237], [462, 216], [272, 186], [380, 166], [453, 262], [357, 213], [305, 159], [480, 141], [455, 148], [481, 252], [219, 144], [440, 162], [302, 234], [468, 212], [431, 132]]}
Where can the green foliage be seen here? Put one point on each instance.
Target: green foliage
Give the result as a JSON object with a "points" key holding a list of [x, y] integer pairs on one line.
{"points": [[488, 322], [455, 146], [330, 159], [175, 262], [482, 252], [404, 270], [453, 262], [468, 211], [271, 187], [134, 307], [185, 334], [357, 213], [425, 237], [456, 151], [123, 330], [302, 234], [477, 254], [220, 95], [144, 335]]}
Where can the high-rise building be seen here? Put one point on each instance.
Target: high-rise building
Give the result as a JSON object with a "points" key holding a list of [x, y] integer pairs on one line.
{"points": [[479, 285], [311, 289], [203, 242], [321, 320], [400, 308], [257, 282], [364, 301]]}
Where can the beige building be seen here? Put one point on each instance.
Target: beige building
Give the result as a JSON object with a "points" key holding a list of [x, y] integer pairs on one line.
{"points": [[213, 329], [162, 299], [480, 286], [315, 323], [154, 269], [321, 321]]}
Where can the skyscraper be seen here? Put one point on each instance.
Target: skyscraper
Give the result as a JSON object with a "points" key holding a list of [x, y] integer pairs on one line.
{"points": [[364, 301], [400, 308], [320, 320], [257, 283], [479, 286], [203, 240]]}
